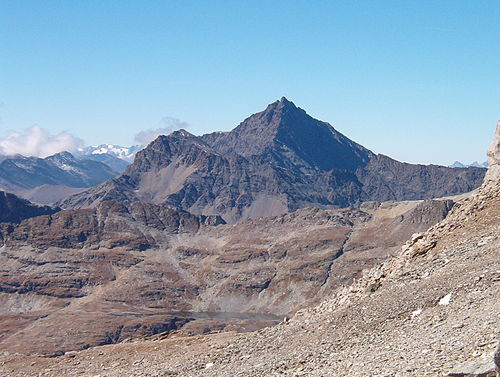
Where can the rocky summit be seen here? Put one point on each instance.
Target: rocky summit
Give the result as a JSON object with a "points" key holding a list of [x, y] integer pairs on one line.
{"points": [[274, 162]]}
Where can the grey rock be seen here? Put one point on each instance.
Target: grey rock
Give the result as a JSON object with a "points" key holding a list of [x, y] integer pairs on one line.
{"points": [[475, 368], [493, 174]]}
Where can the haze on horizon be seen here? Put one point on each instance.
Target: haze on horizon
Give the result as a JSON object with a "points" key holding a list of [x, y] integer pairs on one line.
{"points": [[418, 82]]}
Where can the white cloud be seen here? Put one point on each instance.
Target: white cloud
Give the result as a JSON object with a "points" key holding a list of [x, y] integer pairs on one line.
{"points": [[37, 141], [169, 124]]}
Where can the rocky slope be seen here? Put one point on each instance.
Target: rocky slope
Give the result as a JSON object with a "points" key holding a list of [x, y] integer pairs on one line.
{"points": [[276, 161], [87, 277], [33, 178], [139, 226]]}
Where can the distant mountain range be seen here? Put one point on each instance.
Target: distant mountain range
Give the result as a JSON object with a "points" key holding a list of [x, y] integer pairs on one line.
{"points": [[275, 161], [475, 164], [123, 153], [115, 156], [45, 180]]}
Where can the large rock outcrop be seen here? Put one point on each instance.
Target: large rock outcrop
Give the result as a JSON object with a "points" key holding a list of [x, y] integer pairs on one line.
{"points": [[493, 174]]}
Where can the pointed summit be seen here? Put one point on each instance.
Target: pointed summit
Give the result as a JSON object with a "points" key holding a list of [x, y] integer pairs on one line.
{"points": [[285, 102], [181, 133], [285, 132], [282, 104]]}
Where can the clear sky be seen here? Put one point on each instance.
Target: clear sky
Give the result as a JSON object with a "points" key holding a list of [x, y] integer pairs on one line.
{"points": [[416, 80]]}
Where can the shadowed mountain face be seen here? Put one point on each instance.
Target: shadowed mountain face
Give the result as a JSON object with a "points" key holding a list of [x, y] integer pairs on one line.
{"points": [[14, 209], [290, 138], [274, 162]]}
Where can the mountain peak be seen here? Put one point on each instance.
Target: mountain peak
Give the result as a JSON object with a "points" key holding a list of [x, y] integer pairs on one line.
{"points": [[288, 133], [62, 156], [285, 101], [181, 133], [279, 107]]}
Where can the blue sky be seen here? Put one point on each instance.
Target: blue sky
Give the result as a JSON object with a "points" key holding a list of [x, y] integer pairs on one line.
{"points": [[416, 80]]}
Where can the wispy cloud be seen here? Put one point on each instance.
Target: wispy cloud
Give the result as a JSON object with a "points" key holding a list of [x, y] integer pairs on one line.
{"points": [[37, 141], [169, 124]]}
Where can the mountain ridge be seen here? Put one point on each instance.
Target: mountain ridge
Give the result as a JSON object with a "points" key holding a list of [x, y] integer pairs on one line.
{"points": [[273, 162], [24, 175]]}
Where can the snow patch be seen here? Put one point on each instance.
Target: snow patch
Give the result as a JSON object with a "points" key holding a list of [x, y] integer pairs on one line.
{"points": [[416, 313], [445, 300]]}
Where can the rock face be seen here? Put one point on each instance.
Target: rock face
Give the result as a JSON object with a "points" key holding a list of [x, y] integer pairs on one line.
{"points": [[46, 180], [276, 161], [86, 277], [14, 209], [493, 173], [138, 226], [289, 138]]}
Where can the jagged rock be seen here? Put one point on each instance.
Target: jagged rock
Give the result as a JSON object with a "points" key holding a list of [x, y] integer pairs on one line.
{"points": [[493, 174]]}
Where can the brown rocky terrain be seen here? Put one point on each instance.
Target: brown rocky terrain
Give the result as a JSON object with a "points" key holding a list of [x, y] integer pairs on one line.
{"points": [[431, 310], [81, 278], [274, 162]]}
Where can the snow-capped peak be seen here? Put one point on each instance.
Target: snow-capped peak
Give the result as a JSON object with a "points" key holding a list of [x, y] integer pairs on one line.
{"points": [[124, 153]]}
